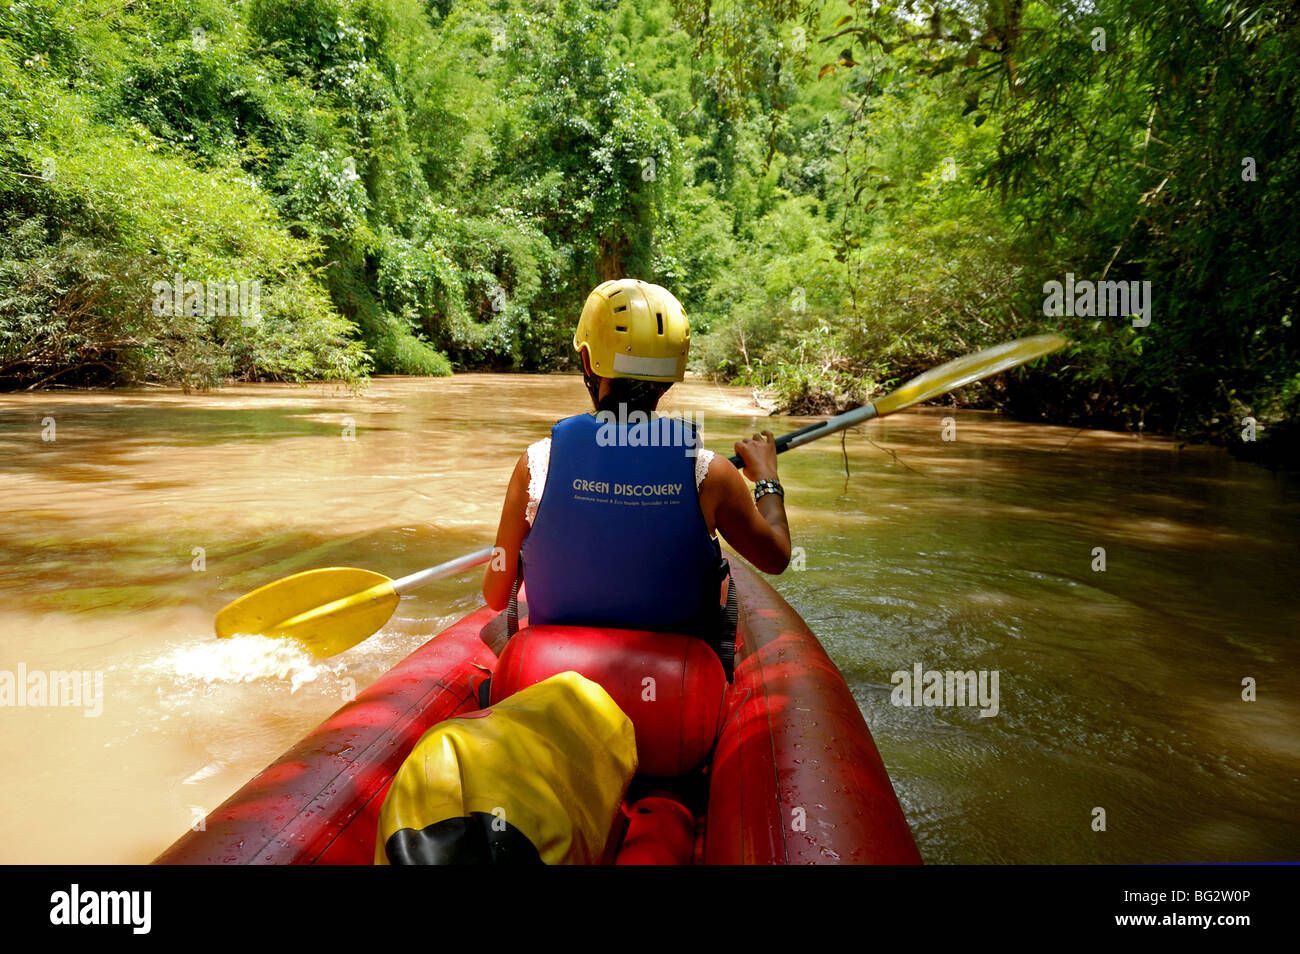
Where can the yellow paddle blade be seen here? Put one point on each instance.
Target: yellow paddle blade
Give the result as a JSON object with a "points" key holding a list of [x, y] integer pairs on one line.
{"points": [[964, 370], [327, 610]]}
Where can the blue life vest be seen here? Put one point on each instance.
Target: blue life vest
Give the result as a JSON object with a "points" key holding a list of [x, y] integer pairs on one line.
{"points": [[619, 539]]}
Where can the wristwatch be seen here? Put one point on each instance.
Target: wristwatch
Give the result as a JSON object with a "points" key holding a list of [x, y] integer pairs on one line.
{"points": [[768, 486]]}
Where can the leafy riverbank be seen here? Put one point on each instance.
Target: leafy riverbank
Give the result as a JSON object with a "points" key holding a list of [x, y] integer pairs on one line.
{"points": [[841, 197]]}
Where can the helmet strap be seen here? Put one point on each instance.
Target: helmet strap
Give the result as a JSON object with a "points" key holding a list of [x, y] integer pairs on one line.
{"points": [[593, 386]]}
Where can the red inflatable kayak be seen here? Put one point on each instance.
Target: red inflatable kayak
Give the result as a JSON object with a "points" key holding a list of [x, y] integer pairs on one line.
{"points": [[793, 777]]}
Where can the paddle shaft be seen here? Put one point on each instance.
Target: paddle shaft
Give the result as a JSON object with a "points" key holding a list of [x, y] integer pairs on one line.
{"points": [[329, 623], [785, 442], [946, 377], [819, 430], [408, 583]]}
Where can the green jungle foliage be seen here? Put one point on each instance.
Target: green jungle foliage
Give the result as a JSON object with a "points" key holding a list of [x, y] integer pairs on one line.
{"points": [[842, 194]]}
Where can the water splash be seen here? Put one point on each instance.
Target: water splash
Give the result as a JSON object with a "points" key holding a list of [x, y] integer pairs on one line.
{"points": [[244, 658]]}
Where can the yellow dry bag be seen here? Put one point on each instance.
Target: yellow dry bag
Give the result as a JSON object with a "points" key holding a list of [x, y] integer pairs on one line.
{"points": [[537, 778]]}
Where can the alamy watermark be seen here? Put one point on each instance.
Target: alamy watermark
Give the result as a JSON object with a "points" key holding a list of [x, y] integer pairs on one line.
{"points": [[77, 906], [939, 687], [177, 296], [1086, 298], [639, 429], [39, 689]]}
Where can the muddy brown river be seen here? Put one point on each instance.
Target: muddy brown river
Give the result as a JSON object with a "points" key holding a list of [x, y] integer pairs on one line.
{"points": [[1136, 604]]}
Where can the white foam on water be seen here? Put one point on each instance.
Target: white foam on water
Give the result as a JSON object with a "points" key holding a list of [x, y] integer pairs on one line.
{"points": [[244, 658], [207, 771]]}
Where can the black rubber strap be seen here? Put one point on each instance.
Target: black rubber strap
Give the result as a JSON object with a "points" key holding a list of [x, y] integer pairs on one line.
{"points": [[726, 638], [512, 611]]}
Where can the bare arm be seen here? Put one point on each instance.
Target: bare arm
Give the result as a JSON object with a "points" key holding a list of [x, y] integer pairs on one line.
{"points": [[758, 532], [499, 577]]}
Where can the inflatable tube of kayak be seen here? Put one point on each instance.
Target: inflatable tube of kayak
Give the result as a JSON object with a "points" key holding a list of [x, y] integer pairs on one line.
{"points": [[319, 802], [796, 777], [671, 686]]}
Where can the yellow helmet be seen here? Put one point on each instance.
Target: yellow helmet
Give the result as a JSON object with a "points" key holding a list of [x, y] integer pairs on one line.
{"points": [[633, 329]]}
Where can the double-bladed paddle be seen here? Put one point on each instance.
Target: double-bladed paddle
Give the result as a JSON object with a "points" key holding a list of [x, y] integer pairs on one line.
{"points": [[333, 609]]}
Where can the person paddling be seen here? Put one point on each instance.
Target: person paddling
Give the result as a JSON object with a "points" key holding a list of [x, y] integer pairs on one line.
{"points": [[608, 525]]}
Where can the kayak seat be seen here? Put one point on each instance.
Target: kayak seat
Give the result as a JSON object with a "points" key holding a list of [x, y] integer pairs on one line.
{"points": [[671, 686]]}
